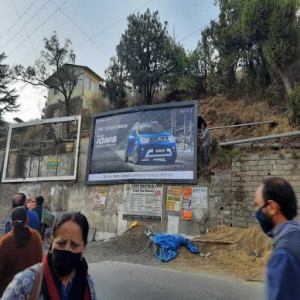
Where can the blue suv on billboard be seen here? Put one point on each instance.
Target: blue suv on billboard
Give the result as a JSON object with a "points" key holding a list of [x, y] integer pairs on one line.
{"points": [[149, 140]]}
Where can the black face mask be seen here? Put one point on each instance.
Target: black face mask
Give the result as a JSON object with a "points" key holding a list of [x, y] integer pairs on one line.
{"points": [[64, 262], [265, 221]]}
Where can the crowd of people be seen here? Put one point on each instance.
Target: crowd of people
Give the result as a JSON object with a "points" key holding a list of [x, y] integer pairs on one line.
{"points": [[62, 273]]}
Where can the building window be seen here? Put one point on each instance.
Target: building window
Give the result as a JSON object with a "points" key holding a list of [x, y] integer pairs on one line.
{"points": [[55, 91]]}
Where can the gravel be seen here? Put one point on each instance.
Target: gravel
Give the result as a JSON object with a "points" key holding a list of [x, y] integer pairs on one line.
{"points": [[133, 247]]}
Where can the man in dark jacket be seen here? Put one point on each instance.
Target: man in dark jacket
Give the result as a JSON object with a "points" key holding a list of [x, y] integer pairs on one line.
{"points": [[33, 220], [276, 208]]}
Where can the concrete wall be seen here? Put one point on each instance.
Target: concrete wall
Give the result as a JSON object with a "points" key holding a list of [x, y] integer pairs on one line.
{"points": [[230, 197]]}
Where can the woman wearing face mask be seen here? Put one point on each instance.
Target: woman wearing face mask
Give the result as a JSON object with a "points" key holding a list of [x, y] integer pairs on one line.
{"points": [[63, 272]]}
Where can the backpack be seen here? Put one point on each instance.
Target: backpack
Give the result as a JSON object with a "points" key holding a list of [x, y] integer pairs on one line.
{"points": [[47, 218]]}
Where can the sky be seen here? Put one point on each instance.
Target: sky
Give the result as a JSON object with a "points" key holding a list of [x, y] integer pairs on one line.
{"points": [[94, 27]]}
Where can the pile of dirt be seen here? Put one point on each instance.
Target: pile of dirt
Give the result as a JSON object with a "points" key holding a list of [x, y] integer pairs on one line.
{"points": [[235, 252], [133, 246], [238, 252]]}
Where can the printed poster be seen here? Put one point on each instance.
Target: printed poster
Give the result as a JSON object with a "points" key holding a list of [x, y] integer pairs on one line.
{"points": [[174, 198], [199, 200], [187, 213], [100, 198], [52, 165], [143, 202]]}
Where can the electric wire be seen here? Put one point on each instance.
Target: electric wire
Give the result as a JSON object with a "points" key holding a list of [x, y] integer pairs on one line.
{"points": [[15, 35], [26, 32], [37, 28], [26, 10], [111, 26], [81, 30]]}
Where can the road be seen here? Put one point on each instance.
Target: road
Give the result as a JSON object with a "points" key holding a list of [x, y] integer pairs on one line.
{"points": [[114, 161], [115, 280]]}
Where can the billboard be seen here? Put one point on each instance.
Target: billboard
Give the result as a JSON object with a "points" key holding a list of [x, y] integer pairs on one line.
{"points": [[146, 144], [42, 150]]}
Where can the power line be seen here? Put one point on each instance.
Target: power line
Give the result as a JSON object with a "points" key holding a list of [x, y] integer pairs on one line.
{"points": [[26, 23], [111, 26], [74, 23], [23, 26], [7, 31], [197, 30], [37, 28]]}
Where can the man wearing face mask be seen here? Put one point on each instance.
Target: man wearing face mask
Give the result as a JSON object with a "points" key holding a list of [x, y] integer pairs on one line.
{"points": [[276, 208]]}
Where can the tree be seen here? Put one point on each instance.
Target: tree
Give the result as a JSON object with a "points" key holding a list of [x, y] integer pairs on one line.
{"points": [[228, 42], [52, 70], [148, 53], [116, 84], [271, 27], [8, 96]]}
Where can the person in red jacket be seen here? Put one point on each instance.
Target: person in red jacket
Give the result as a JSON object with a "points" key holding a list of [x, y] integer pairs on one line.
{"points": [[19, 249]]}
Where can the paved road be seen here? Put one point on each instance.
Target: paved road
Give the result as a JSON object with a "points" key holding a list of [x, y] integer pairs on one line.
{"points": [[114, 280], [114, 161]]}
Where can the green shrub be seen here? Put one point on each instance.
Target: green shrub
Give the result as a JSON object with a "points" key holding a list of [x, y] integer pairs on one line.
{"points": [[293, 103]]}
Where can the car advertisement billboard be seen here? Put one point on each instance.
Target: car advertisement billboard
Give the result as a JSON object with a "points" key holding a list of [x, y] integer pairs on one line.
{"points": [[155, 143]]}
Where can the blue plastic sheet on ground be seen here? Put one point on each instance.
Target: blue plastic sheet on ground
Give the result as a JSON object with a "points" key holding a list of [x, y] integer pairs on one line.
{"points": [[169, 243]]}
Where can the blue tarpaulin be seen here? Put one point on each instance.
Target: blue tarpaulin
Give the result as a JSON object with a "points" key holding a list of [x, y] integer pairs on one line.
{"points": [[169, 243]]}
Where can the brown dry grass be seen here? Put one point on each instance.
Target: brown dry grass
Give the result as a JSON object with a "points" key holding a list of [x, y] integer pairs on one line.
{"points": [[220, 111], [233, 260]]}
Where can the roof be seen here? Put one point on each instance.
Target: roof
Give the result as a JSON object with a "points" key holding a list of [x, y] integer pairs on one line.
{"points": [[84, 67]]}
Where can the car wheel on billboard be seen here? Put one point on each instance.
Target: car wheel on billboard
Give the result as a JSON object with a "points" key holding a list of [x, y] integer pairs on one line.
{"points": [[171, 160], [136, 157], [125, 155]]}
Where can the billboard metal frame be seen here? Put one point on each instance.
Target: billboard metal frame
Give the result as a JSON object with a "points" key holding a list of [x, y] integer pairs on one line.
{"points": [[170, 105], [40, 122]]}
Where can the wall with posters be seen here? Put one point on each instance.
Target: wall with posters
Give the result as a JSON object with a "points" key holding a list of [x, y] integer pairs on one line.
{"points": [[172, 208], [112, 208]]}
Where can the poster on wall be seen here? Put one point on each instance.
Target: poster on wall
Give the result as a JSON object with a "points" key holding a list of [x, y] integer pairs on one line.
{"points": [[52, 165], [187, 212], [138, 144], [173, 203], [100, 198], [199, 200], [143, 202]]}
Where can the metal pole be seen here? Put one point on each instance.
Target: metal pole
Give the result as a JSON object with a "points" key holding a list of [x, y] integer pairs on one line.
{"points": [[244, 124], [260, 138]]}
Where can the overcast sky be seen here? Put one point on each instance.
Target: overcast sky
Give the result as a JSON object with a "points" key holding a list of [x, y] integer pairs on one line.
{"points": [[94, 27]]}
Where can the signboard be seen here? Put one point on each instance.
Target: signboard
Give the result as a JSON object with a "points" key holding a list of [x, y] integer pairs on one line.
{"points": [[100, 198], [143, 202], [135, 145], [187, 213], [52, 165], [174, 196]]}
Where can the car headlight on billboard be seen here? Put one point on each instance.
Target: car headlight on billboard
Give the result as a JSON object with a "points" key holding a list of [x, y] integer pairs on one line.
{"points": [[171, 138], [144, 140]]}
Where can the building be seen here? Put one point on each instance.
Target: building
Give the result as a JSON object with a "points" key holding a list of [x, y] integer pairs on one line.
{"points": [[86, 87]]}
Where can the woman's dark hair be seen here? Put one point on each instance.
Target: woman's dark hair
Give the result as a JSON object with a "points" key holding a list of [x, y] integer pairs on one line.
{"points": [[39, 200], [280, 191], [76, 217], [21, 232]]}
